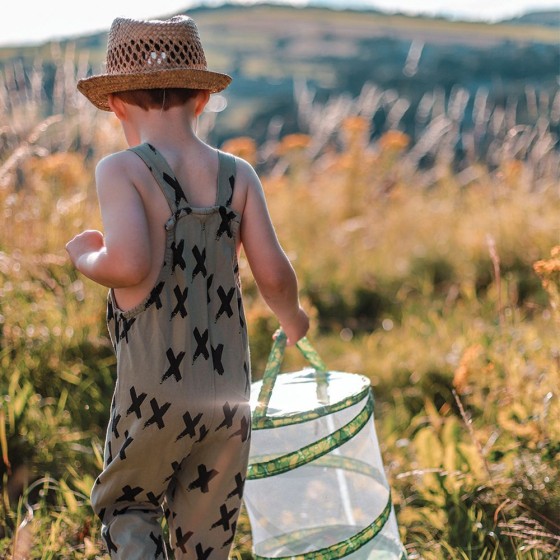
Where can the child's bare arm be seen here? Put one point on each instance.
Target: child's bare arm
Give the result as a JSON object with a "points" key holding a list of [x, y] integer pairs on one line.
{"points": [[270, 266], [120, 258]]}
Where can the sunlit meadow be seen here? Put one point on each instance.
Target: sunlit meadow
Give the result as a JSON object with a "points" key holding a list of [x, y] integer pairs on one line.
{"points": [[438, 279]]}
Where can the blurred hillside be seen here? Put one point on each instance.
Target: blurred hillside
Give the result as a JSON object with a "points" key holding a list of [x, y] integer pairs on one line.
{"points": [[551, 19], [272, 51]]}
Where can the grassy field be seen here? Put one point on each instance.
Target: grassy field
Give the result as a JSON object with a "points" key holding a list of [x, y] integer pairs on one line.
{"points": [[440, 283]]}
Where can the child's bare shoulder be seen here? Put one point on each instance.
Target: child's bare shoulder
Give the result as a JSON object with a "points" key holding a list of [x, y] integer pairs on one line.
{"points": [[124, 160], [245, 171], [121, 167]]}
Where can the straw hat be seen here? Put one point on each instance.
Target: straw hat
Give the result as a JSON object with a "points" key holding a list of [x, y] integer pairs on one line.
{"points": [[151, 55]]}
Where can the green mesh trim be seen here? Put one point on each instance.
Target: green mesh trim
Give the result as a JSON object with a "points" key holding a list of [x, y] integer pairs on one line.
{"points": [[270, 374], [313, 451], [350, 464], [310, 354], [266, 422], [333, 552], [332, 461]]}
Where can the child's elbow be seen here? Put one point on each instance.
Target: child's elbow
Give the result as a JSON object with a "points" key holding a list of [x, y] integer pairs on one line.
{"points": [[133, 277], [132, 272], [277, 281]]}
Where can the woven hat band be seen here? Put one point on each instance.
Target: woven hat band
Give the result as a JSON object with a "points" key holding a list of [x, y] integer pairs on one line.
{"points": [[151, 46]]}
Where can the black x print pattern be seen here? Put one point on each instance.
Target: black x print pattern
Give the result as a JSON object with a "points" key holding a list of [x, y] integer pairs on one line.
{"points": [[225, 306], [172, 488], [136, 403], [229, 413], [203, 480], [190, 425], [174, 184], [200, 258], [176, 467], [110, 311], [128, 440], [158, 413], [247, 376], [126, 324], [174, 363], [177, 259], [229, 542], [202, 554], [115, 423], [225, 518], [239, 486], [209, 281], [231, 182], [111, 546], [155, 296], [203, 433], [225, 226], [201, 342], [153, 499], [158, 541], [181, 296], [129, 494], [217, 358], [182, 538], [244, 430], [240, 310]]}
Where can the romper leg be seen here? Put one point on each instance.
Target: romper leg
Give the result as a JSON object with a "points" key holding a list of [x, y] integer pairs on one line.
{"points": [[205, 498], [141, 458]]}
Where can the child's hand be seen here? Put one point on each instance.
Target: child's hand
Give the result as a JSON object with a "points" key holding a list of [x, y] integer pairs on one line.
{"points": [[296, 327], [88, 241]]}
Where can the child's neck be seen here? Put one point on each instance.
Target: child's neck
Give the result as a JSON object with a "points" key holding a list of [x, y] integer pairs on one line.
{"points": [[176, 126]]}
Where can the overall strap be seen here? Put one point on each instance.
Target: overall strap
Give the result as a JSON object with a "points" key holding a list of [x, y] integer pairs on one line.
{"points": [[226, 179], [164, 176]]}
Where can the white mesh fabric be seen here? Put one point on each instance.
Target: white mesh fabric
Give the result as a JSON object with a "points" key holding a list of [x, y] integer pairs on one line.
{"points": [[331, 498]]}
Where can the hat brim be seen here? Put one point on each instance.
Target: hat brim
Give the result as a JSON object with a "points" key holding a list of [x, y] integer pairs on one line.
{"points": [[97, 88]]}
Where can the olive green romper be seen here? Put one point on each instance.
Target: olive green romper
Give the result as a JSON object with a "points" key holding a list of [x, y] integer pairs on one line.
{"points": [[178, 437]]}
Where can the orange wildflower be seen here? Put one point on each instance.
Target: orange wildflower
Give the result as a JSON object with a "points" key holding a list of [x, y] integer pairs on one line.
{"points": [[293, 143], [243, 147], [547, 267], [355, 125], [394, 140]]}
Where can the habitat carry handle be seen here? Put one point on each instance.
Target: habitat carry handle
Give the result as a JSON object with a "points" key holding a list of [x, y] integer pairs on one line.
{"points": [[274, 364]]}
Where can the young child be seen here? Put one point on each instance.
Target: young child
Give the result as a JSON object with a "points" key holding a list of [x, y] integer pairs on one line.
{"points": [[175, 214]]}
